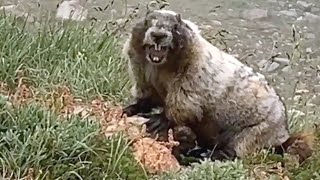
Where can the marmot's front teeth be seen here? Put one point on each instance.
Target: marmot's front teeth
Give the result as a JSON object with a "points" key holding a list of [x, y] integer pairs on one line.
{"points": [[157, 47], [156, 59]]}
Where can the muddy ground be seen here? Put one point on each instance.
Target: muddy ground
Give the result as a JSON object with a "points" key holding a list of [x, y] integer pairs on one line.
{"points": [[278, 38]]}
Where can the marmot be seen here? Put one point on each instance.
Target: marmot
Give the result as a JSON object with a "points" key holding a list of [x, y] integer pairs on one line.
{"points": [[226, 104]]}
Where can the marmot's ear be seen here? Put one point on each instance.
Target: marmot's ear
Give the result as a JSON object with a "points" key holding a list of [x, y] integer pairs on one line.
{"points": [[179, 19], [145, 17]]}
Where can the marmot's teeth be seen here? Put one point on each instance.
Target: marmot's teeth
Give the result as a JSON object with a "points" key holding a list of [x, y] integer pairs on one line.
{"points": [[156, 59]]}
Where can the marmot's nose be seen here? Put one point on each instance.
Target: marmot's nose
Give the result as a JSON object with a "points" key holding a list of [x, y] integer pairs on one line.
{"points": [[158, 36]]}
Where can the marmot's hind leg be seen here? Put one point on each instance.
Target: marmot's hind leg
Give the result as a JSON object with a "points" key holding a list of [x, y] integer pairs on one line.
{"points": [[250, 139]]}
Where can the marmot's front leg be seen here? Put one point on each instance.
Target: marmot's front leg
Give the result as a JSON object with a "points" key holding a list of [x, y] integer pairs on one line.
{"points": [[142, 105], [179, 109], [143, 92]]}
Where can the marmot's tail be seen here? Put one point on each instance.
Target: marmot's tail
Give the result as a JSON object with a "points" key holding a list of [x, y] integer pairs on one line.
{"points": [[300, 144]]}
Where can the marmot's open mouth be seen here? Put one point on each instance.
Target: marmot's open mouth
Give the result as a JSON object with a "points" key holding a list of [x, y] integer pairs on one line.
{"points": [[157, 53]]}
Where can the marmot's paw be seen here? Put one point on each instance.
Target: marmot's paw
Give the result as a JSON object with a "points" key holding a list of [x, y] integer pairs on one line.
{"points": [[130, 110], [227, 154], [157, 124]]}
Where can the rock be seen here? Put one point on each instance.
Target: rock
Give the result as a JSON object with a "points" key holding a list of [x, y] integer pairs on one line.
{"points": [[286, 69], [305, 4], [310, 36], [71, 9], [316, 88], [16, 11], [290, 12], [315, 10], [312, 18], [8, 7], [309, 50], [316, 100], [282, 3], [215, 22], [262, 63], [273, 67], [256, 13], [282, 61], [272, 1]]}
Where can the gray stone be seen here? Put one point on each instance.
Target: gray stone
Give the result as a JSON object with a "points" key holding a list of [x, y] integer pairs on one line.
{"points": [[215, 22], [309, 50], [315, 10], [71, 10], [316, 100], [310, 36], [282, 61], [282, 4], [312, 17], [17, 11], [290, 12], [261, 64], [286, 69], [273, 67], [256, 13], [304, 4]]}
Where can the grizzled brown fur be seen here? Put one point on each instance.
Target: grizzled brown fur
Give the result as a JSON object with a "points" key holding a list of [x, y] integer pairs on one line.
{"points": [[226, 104]]}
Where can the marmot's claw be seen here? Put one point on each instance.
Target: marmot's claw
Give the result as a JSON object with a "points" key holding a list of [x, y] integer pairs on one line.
{"points": [[157, 124], [130, 110]]}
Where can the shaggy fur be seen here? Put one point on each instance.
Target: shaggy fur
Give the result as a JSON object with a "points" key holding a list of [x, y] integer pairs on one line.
{"points": [[229, 106]]}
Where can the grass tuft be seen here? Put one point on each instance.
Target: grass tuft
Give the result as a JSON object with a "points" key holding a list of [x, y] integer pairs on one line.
{"points": [[32, 138], [81, 57]]}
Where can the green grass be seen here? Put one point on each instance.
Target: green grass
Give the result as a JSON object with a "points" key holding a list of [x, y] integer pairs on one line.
{"points": [[32, 137], [87, 60], [83, 58]]}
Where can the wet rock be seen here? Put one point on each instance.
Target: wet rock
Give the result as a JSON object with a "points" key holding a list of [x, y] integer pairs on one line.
{"points": [[312, 17], [71, 10], [256, 13], [290, 13]]}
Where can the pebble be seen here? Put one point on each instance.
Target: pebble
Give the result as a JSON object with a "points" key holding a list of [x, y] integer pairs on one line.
{"points": [[290, 12], [304, 4], [312, 17], [215, 22], [256, 13], [310, 36], [71, 9], [282, 61], [273, 67]]}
